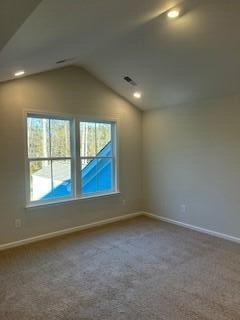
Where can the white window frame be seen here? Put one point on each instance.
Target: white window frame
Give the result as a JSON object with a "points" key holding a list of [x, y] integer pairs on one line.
{"points": [[75, 158], [113, 157]]}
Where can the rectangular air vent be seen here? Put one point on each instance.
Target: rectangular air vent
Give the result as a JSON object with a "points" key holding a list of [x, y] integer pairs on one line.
{"points": [[129, 80]]}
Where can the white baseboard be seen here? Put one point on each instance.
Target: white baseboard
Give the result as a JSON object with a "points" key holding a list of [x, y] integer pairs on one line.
{"points": [[112, 220], [67, 231], [192, 227]]}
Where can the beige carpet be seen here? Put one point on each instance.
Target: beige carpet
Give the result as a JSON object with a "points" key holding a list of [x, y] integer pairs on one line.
{"points": [[137, 269]]}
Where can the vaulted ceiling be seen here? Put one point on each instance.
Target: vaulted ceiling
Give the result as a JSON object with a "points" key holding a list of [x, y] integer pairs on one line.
{"points": [[12, 14], [195, 56]]}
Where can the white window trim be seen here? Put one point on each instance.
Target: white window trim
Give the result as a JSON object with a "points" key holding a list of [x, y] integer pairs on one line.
{"points": [[75, 159]]}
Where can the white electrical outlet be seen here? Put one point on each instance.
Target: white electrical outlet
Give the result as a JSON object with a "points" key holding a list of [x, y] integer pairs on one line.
{"points": [[124, 202], [18, 223], [183, 208]]}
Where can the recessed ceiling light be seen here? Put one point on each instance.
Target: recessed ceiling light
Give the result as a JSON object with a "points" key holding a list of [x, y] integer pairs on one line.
{"points": [[137, 95], [172, 14], [19, 73]]}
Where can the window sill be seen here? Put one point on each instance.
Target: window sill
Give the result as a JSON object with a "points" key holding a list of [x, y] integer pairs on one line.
{"points": [[71, 200]]}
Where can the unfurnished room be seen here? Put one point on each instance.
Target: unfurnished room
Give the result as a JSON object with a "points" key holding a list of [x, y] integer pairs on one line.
{"points": [[120, 160]]}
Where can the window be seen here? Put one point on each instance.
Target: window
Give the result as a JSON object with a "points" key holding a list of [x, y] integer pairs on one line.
{"points": [[49, 158], [96, 157], [63, 164]]}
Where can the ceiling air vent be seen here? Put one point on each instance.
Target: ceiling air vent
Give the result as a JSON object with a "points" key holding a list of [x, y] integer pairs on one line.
{"points": [[64, 60], [129, 80], [61, 61]]}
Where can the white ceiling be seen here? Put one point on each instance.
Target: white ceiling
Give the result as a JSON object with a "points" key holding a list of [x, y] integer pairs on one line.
{"points": [[193, 57]]}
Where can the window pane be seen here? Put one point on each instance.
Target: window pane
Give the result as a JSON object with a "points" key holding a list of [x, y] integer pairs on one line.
{"points": [[87, 139], [60, 138], [62, 184], [103, 139], [50, 179], [96, 175], [89, 175], [40, 179], [38, 137], [104, 175]]}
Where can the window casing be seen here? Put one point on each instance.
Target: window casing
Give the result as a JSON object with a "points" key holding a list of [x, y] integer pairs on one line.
{"points": [[69, 158]]}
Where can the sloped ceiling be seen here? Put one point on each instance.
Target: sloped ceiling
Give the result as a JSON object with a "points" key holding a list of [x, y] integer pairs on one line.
{"points": [[173, 62], [12, 14]]}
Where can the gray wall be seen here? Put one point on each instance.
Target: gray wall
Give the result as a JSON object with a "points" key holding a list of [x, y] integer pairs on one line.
{"points": [[191, 156], [69, 90]]}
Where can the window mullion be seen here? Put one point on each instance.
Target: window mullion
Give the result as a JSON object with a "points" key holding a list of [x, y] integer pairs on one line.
{"points": [[49, 137], [73, 157], [51, 175], [78, 161]]}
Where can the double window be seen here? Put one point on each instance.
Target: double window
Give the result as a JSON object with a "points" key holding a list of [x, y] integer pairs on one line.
{"points": [[68, 158]]}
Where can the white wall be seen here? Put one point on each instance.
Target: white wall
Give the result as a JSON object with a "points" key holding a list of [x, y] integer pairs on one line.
{"points": [[69, 90], [191, 155]]}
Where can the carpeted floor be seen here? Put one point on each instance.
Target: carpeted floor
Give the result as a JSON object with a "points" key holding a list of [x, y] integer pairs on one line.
{"points": [[137, 269]]}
